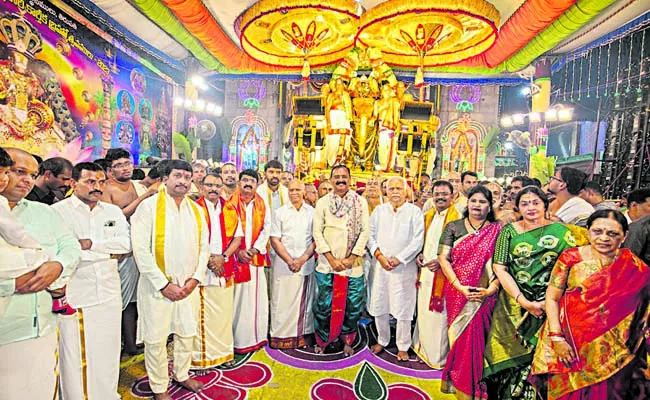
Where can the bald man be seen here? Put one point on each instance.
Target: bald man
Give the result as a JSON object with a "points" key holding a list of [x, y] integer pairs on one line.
{"points": [[293, 285], [28, 338], [396, 238]]}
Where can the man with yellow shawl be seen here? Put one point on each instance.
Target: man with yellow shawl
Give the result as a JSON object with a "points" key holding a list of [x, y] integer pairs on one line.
{"points": [[170, 245], [432, 345]]}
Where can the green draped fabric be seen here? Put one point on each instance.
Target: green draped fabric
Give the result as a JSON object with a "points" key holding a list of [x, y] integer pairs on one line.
{"points": [[323, 305], [530, 258]]}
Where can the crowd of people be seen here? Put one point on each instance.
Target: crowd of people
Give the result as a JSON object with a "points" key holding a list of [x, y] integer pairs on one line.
{"points": [[523, 292]]}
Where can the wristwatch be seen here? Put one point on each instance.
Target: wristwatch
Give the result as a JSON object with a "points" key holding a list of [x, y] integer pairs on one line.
{"points": [[225, 257]]}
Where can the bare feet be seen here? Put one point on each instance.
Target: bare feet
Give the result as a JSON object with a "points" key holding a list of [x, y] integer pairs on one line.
{"points": [[402, 356], [192, 385], [376, 349], [162, 396], [201, 372], [318, 349], [348, 350], [229, 364]]}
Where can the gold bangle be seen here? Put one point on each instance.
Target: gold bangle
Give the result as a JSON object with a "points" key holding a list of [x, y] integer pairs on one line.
{"points": [[455, 280], [517, 297]]}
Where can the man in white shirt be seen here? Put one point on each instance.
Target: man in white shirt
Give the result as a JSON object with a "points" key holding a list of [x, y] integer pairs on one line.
{"points": [[213, 345], [432, 345], [396, 237], [272, 192], [251, 318], [566, 184], [170, 245], [89, 344], [341, 235], [292, 270]]}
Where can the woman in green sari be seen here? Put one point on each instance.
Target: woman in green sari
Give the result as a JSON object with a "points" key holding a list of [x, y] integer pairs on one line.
{"points": [[524, 257]]}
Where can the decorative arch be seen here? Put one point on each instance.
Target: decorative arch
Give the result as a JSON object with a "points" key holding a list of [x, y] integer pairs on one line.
{"points": [[463, 147], [249, 144]]}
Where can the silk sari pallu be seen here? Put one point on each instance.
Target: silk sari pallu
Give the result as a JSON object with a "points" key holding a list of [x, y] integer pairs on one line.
{"points": [[529, 257], [469, 322], [604, 322]]}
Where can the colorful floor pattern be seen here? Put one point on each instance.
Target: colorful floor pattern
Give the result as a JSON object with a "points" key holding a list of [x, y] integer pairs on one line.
{"points": [[300, 374]]}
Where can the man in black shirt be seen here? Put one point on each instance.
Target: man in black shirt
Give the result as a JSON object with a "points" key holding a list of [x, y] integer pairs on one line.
{"points": [[54, 176]]}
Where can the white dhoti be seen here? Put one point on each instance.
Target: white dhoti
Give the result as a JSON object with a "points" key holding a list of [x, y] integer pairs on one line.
{"points": [[291, 310], [213, 344], [129, 276], [386, 148], [393, 293], [28, 369], [90, 352], [432, 346], [251, 316], [156, 363]]}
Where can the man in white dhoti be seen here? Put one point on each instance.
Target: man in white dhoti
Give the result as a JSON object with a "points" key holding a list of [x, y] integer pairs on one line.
{"points": [[170, 245], [213, 345], [28, 339], [430, 339], [251, 318], [89, 344], [127, 194], [293, 284], [396, 237]]}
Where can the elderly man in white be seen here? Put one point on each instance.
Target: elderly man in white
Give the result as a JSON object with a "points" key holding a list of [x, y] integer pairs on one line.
{"points": [[170, 245], [396, 237], [292, 269], [90, 339]]}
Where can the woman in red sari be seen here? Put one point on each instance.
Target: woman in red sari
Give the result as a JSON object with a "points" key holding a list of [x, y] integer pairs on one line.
{"points": [[592, 346], [465, 255]]}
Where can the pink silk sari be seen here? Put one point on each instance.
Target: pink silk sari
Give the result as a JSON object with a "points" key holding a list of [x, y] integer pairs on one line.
{"points": [[469, 322]]}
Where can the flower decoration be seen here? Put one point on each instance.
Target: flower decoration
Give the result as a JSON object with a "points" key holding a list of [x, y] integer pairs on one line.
{"points": [[218, 383], [73, 152], [368, 385]]}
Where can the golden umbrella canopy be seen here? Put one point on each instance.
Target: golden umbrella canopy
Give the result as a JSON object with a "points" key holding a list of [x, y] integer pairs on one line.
{"points": [[421, 33], [299, 33]]}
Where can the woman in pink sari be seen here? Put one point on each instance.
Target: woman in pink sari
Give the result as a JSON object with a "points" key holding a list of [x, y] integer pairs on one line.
{"points": [[465, 254]]}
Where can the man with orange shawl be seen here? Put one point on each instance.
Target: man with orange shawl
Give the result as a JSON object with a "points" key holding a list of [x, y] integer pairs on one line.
{"points": [[432, 345], [170, 245], [213, 345], [341, 233], [251, 319]]}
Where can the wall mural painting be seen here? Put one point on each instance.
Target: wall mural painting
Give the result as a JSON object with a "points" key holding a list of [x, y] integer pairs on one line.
{"points": [[61, 83], [462, 146], [250, 142]]}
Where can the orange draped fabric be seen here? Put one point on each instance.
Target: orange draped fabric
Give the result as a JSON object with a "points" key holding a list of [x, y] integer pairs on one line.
{"points": [[199, 22], [527, 22]]}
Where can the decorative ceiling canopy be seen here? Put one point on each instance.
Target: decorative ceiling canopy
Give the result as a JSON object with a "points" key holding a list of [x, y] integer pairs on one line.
{"points": [[414, 33], [290, 32]]}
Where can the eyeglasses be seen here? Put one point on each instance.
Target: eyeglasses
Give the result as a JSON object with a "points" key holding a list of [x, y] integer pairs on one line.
{"points": [[122, 165], [555, 179], [438, 194]]}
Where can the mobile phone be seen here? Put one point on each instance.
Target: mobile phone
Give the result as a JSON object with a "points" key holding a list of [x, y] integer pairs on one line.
{"points": [[473, 290]]}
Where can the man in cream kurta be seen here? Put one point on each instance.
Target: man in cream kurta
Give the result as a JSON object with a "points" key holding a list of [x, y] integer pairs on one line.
{"points": [[341, 235], [292, 272], [89, 343], [172, 259], [213, 345], [396, 236], [251, 318], [28, 339], [432, 345]]}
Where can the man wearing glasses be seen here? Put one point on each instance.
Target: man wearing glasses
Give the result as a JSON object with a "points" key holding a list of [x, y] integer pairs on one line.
{"points": [[122, 191], [433, 345], [566, 184], [213, 346]]}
